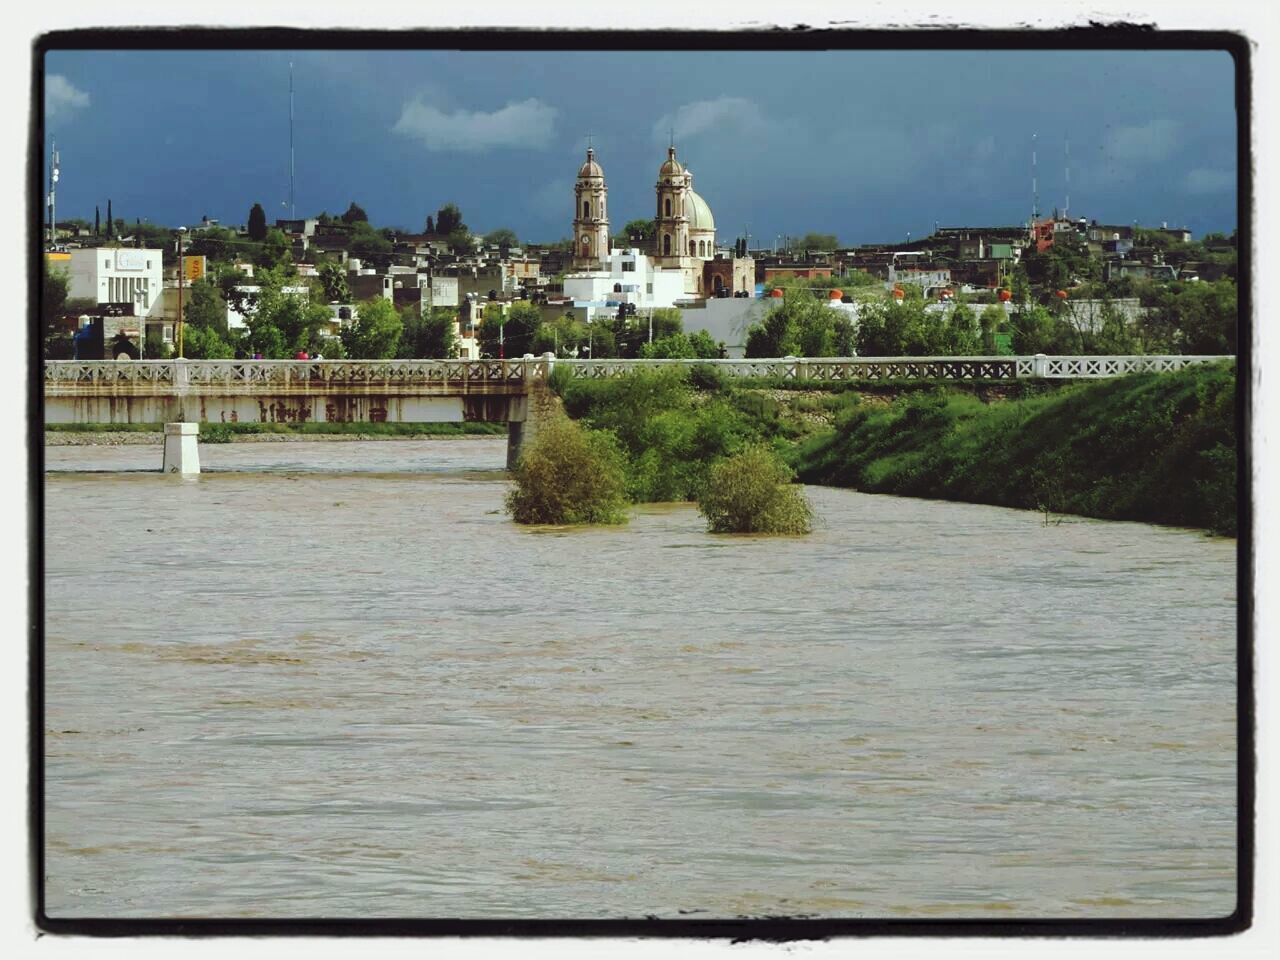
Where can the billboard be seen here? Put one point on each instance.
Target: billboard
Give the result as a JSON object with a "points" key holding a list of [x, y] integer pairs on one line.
{"points": [[193, 268]]}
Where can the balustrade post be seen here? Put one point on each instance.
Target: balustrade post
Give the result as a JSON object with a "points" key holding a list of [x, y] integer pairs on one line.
{"points": [[1039, 365]]}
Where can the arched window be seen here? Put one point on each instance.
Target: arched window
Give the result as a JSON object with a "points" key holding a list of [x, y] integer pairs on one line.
{"points": [[617, 288], [719, 284], [586, 209], [666, 244], [668, 206], [693, 249]]}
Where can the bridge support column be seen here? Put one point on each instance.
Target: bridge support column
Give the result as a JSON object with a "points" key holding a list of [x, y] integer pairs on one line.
{"points": [[181, 453], [526, 413]]}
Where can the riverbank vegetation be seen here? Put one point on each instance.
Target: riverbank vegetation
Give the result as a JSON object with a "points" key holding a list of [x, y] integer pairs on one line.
{"points": [[689, 435], [1159, 448]]}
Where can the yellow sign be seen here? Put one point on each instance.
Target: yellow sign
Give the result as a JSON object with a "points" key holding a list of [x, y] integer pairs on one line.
{"points": [[193, 268]]}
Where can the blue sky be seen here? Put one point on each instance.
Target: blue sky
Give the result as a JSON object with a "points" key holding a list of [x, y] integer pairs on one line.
{"points": [[869, 145]]}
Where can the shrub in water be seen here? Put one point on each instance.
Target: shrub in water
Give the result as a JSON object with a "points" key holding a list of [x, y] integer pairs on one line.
{"points": [[751, 493], [569, 474]]}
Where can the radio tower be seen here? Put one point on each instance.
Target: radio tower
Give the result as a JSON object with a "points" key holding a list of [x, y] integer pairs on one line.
{"points": [[293, 213], [53, 196], [1035, 191], [1066, 205]]}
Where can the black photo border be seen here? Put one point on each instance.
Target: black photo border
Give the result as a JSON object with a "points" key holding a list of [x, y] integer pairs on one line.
{"points": [[1114, 36]]}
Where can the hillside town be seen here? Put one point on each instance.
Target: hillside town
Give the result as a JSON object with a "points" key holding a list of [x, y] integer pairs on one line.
{"points": [[337, 286]]}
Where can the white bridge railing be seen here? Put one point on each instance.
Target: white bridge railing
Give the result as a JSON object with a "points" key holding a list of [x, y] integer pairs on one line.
{"points": [[277, 373], [907, 368], [272, 374]]}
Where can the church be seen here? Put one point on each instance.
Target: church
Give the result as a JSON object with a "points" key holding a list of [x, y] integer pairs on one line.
{"points": [[684, 233]]}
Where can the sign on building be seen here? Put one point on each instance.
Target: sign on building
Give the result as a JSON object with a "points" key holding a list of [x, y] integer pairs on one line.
{"points": [[193, 268], [131, 259]]}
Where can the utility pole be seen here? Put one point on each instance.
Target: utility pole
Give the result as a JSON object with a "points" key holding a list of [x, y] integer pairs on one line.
{"points": [[181, 231]]}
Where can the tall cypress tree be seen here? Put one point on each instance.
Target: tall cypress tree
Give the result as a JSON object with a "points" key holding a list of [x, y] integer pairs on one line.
{"points": [[111, 224], [97, 221], [257, 223]]}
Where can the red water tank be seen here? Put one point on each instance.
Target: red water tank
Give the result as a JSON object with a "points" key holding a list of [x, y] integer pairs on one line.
{"points": [[1005, 296], [836, 295], [776, 292], [1061, 294]]}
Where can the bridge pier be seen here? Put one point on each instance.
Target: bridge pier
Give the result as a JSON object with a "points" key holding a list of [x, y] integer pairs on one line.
{"points": [[181, 452], [527, 412]]}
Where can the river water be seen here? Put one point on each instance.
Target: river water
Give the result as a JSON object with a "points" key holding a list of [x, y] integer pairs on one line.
{"points": [[332, 679]]}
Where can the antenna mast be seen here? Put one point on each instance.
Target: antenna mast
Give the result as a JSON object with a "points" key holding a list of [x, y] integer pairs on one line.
{"points": [[1066, 208], [53, 196], [1035, 192], [293, 213]]}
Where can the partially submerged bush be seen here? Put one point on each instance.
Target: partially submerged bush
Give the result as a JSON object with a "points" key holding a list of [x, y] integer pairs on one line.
{"points": [[752, 493], [567, 475]]}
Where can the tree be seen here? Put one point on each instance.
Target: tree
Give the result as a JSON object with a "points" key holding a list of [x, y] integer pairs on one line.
{"points": [[802, 326], [674, 347], [989, 322], [367, 244], [257, 226], [502, 238], [206, 309], [819, 241], [568, 475], [280, 324], [751, 492], [53, 302], [375, 334], [276, 251], [460, 242], [110, 223], [449, 219], [205, 343], [431, 224], [639, 229], [354, 214], [560, 336], [429, 336], [97, 221], [215, 243], [334, 281], [514, 332]]}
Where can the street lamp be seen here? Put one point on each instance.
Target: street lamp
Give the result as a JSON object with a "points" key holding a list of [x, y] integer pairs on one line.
{"points": [[181, 231]]}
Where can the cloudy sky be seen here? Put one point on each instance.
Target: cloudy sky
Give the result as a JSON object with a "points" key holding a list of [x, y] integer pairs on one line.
{"points": [[869, 145]]}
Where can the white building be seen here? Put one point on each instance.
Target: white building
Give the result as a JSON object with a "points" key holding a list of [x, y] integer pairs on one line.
{"points": [[629, 277], [118, 275]]}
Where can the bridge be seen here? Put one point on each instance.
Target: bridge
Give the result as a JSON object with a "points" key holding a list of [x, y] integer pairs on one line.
{"points": [[183, 393]]}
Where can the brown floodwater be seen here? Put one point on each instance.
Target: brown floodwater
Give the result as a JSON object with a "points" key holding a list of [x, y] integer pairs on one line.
{"points": [[333, 679]]}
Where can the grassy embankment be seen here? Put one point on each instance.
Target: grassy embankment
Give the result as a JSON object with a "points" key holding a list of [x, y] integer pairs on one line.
{"points": [[226, 432], [1159, 448]]}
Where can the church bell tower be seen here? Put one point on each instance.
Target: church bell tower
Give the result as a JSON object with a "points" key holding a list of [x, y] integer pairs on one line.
{"points": [[591, 217]]}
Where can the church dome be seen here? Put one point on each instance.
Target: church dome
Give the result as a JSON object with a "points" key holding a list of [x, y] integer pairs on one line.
{"points": [[591, 168], [673, 167], [700, 214]]}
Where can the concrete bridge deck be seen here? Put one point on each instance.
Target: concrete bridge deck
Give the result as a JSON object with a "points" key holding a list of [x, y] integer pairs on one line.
{"points": [[435, 391]]}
